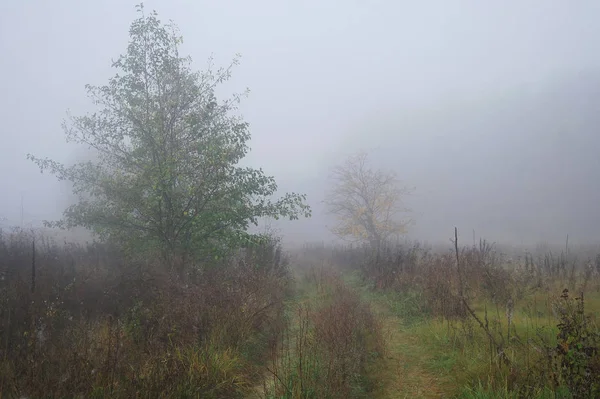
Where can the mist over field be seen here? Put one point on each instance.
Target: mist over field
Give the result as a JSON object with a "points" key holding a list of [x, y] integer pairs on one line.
{"points": [[488, 110], [300, 200]]}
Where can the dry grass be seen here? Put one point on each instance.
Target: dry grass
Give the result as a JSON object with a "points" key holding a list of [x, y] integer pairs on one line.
{"points": [[87, 321], [503, 331], [332, 341], [91, 323]]}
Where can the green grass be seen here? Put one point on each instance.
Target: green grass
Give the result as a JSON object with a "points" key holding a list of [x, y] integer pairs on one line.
{"points": [[454, 359], [480, 391], [405, 370]]}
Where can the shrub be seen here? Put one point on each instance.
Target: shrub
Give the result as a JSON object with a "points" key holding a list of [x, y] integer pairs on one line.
{"points": [[97, 324]]}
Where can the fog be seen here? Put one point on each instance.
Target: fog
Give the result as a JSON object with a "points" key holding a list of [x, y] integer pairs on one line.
{"points": [[489, 109]]}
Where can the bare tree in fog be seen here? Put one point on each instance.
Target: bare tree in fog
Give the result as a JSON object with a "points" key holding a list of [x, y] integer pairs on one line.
{"points": [[366, 202], [167, 175]]}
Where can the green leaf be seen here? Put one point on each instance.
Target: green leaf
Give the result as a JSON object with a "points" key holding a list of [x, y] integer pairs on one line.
{"points": [[165, 176]]}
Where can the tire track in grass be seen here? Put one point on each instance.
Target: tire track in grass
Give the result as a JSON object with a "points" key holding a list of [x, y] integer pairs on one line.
{"points": [[404, 369]]}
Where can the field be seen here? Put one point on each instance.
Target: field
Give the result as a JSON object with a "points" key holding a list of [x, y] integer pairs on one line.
{"points": [[321, 322]]}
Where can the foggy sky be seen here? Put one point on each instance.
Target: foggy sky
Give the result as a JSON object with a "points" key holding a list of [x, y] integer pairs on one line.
{"points": [[488, 108]]}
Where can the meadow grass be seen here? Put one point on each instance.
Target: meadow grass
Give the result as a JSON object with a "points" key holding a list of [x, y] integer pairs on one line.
{"points": [[453, 358], [339, 324], [331, 343]]}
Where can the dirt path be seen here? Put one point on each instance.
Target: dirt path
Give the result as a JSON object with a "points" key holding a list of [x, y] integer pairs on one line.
{"points": [[402, 372]]}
